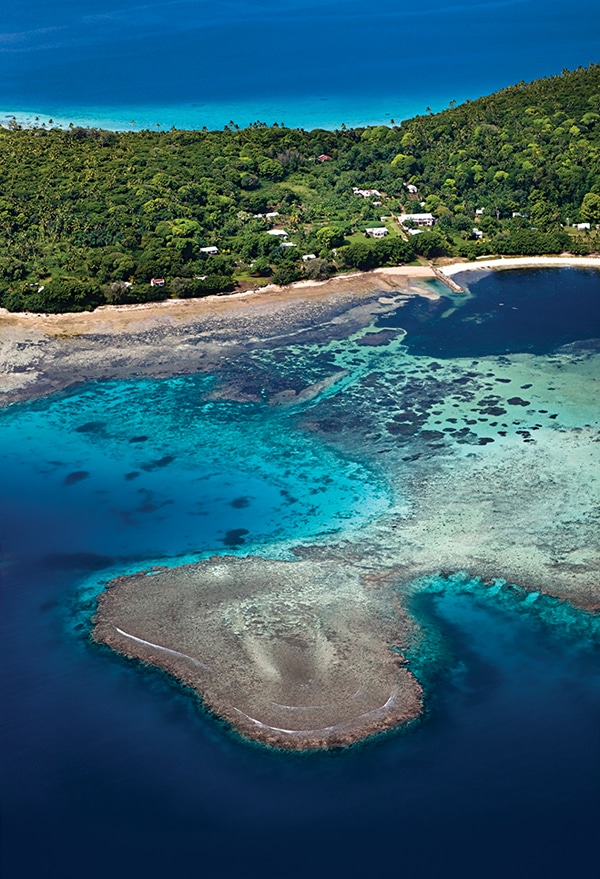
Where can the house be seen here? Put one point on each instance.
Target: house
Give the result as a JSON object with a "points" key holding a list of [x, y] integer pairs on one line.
{"points": [[479, 212], [323, 158], [417, 219], [582, 227], [288, 244], [412, 188], [377, 232], [308, 256], [366, 193], [519, 214], [477, 233], [157, 282], [271, 215], [281, 233], [415, 231], [212, 249]]}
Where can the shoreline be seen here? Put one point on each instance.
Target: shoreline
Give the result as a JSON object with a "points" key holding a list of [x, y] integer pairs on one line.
{"points": [[119, 316], [182, 309], [521, 262]]}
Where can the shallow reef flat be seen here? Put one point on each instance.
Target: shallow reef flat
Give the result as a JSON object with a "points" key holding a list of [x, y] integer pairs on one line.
{"points": [[295, 654], [457, 460]]}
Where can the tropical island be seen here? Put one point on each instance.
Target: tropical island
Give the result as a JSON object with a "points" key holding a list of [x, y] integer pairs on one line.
{"points": [[487, 456], [92, 217]]}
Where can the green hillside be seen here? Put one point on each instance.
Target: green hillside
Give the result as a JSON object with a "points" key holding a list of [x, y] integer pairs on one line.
{"points": [[89, 216]]}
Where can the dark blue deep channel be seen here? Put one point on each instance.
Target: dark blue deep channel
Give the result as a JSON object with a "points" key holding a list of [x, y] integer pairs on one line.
{"points": [[110, 770]]}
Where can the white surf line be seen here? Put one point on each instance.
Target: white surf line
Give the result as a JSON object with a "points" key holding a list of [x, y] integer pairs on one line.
{"points": [[308, 732], [298, 707], [164, 649]]}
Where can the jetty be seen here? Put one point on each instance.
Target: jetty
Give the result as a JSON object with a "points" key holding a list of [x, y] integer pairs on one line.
{"points": [[452, 285]]}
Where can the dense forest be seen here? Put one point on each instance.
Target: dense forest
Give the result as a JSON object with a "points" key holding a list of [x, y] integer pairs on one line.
{"points": [[89, 217]]}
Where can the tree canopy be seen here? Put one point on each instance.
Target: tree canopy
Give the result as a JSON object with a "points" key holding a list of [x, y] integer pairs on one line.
{"points": [[90, 216]]}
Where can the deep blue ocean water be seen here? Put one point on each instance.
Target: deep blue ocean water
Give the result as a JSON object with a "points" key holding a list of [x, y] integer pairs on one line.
{"points": [[189, 63], [109, 769]]}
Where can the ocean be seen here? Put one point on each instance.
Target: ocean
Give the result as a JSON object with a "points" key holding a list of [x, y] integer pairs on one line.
{"points": [[110, 768], [188, 63]]}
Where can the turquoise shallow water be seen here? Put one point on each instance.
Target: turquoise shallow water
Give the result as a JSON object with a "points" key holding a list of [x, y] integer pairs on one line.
{"points": [[122, 64], [113, 764], [147, 469]]}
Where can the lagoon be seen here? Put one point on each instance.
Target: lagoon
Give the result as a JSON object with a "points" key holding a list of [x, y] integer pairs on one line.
{"points": [[116, 764]]}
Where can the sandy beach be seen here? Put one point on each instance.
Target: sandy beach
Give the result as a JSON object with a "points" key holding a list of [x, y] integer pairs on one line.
{"points": [[42, 353], [522, 262]]}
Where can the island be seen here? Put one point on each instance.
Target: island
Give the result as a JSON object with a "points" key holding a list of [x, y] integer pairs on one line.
{"points": [[303, 289]]}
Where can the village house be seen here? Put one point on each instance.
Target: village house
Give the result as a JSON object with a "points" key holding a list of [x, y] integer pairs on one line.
{"points": [[211, 249], [323, 158], [412, 188], [271, 215], [417, 219], [157, 282], [582, 227], [377, 232], [308, 256], [366, 193], [281, 233]]}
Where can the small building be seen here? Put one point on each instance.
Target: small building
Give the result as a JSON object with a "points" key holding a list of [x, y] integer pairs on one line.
{"points": [[281, 233], [415, 231], [377, 232], [157, 282], [366, 193], [582, 227], [271, 215], [417, 219], [212, 249], [308, 256], [479, 212], [288, 244], [412, 188], [477, 232], [323, 158], [519, 214]]}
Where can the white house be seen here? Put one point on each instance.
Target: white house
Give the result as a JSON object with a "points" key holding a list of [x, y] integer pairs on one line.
{"points": [[308, 256], [479, 212], [288, 244], [412, 188], [271, 215], [211, 249], [417, 219], [477, 232], [366, 193], [281, 233], [377, 232], [582, 226]]}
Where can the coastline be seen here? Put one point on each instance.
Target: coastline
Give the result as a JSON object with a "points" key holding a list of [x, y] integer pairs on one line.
{"points": [[119, 317], [521, 262], [264, 639], [44, 353]]}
